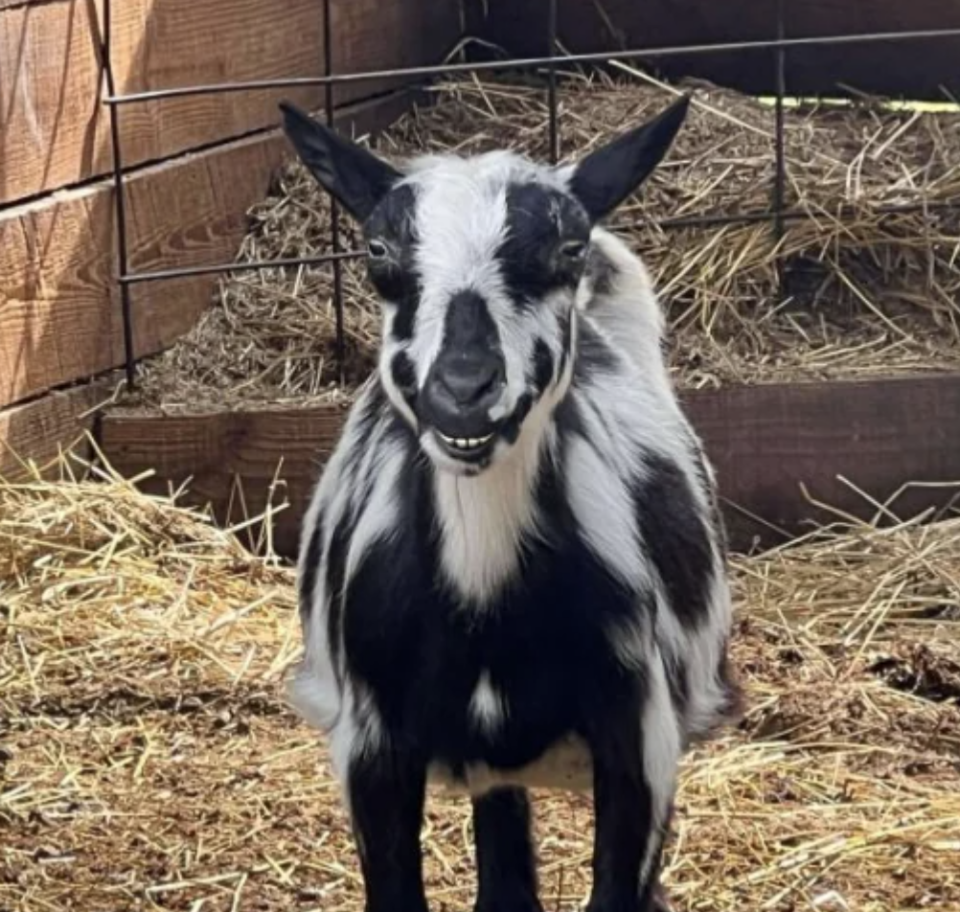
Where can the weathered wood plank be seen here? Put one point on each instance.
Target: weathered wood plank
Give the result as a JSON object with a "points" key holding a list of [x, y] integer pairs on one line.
{"points": [[60, 318], [917, 70], [38, 431], [767, 441], [374, 35], [54, 130], [220, 451], [764, 441]]}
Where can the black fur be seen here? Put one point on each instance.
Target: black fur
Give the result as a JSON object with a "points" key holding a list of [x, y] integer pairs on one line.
{"points": [[311, 568], [539, 219], [677, 537], [542, 367], [506, 871], [400, 636], [397, 279]]}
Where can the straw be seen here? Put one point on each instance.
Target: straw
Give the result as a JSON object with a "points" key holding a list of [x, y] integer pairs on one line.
{"points": [[869, 293], [147, 760]]}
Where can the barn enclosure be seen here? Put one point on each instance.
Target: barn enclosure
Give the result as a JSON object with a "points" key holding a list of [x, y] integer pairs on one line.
{"points": [[182, 308]]}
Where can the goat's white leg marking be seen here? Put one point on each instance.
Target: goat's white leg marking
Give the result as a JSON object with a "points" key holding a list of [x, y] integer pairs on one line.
{"points": [[661, 750]]}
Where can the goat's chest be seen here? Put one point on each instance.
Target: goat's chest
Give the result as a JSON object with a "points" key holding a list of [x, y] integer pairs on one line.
{"points": [[499, 692]]}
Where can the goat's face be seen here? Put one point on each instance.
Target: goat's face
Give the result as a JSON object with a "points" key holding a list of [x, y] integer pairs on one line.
{"points": [[478, 262]]}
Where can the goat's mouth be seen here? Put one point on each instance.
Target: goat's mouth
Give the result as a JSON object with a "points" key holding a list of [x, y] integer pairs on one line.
{"points": [[466, 448]]}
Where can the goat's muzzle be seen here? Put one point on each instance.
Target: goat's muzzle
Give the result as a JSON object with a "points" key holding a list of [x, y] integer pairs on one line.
{"points": [[460, 391]]}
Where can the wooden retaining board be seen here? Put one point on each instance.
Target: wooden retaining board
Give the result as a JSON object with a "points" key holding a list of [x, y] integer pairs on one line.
{"points": [[60, 312], [765, 441], [54, 131], [914, 69], [43, 428]]}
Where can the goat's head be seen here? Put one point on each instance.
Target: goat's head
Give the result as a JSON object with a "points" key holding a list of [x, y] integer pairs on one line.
{"points": [[477, 262]]}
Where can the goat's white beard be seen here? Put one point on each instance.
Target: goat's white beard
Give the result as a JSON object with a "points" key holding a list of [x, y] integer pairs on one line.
{"points": [[485, 518]]}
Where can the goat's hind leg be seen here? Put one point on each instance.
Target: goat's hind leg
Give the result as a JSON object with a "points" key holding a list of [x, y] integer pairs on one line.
{"points": [[387, 789], [506, 866]]}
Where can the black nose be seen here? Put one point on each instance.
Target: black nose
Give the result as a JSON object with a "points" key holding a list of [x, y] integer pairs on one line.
{"points": [[461, 390]]}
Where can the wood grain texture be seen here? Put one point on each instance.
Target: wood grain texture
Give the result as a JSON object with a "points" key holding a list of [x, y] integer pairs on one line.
{"points": [[60, 317], [221, 453], [60, 313], [55, 131], [916, 70], [39, 430], [767, 441], [764, 441], [377, 35]]}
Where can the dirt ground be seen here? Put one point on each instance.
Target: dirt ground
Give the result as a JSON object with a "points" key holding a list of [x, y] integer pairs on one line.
{"points": [[147, 760]]}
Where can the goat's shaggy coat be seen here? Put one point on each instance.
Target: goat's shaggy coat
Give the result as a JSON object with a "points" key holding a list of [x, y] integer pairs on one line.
{"points": [[551, 611]]}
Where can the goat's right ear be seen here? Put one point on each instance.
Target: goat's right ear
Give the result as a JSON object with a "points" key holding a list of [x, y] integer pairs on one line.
{"points": [[352, 174]]}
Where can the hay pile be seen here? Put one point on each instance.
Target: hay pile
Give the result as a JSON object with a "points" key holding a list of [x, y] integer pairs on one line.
{"points": [[147, 761], [874, 293]]}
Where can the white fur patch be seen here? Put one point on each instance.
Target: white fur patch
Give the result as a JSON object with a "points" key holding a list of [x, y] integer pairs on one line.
{"points": [[566, 765], [483, 520], [487, 705], [601, 503]]}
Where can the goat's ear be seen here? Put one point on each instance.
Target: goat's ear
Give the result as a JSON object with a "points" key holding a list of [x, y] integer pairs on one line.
{"points": [[352, 174], [607, 176]]}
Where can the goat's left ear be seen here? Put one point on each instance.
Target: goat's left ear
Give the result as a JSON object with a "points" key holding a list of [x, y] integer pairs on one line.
{"points": [[352, 174], [607, 176]]}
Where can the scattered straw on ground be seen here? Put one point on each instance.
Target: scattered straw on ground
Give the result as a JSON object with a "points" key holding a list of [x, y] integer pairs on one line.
{"points": [[147, 760], [874, 293]]}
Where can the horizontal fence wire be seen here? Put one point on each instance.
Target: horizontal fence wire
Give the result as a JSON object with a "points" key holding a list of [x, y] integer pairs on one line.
{"points": [[527, 63], [777, 216]]}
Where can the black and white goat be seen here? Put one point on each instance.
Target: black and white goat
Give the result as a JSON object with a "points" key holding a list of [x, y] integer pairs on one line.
{"points": [[512, 572]]}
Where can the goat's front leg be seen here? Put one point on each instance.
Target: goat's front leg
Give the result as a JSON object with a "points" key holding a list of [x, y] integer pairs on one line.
{"points": [[628, 830], [506, 868], [387, 790]]}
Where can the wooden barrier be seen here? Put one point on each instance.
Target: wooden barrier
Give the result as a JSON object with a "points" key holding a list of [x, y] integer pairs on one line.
{"points": [[765, 441], [39, 430], [55, 130]]}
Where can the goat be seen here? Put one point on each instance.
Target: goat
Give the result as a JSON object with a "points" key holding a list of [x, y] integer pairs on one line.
{"points": [[513, 570]]}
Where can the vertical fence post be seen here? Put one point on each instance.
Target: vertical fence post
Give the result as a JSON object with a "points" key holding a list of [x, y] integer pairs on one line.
{"points": [[554, 133], [334, 208], [780, 179], [119, 201]]}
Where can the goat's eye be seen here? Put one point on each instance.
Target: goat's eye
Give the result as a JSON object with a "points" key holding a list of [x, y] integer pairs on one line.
{"points": [[573, 250], [376, 250]]}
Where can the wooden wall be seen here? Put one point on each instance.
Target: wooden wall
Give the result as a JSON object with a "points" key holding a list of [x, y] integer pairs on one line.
{"points": [[914, 69], [195, 164], [765, 441]]}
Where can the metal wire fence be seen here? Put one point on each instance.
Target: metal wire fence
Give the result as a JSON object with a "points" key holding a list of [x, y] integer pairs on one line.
{"points": [[777, 215]]}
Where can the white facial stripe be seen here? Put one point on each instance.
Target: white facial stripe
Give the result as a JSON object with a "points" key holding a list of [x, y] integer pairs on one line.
{"points": [[462, 222]]}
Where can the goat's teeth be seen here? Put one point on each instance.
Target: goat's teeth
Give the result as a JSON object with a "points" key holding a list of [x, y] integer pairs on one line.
{"points": [[465, 443]]}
